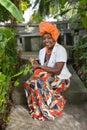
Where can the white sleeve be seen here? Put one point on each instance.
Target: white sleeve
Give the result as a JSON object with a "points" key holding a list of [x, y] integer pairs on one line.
{"points": [[39, 57], [61, 55]]}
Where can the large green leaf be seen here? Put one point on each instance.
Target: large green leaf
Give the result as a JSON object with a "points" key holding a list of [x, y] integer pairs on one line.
{"points": [[12, 9]]}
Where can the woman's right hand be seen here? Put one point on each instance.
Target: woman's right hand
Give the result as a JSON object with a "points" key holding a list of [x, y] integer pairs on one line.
{"points": [[31, 59], [34, 63]]}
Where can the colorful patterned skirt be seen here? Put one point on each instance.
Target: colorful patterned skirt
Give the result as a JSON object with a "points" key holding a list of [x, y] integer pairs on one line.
{"points": [[43, 93]]}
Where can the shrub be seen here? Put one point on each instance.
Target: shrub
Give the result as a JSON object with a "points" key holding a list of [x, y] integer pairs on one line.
{"points": [[8, 62], [80, 57]]}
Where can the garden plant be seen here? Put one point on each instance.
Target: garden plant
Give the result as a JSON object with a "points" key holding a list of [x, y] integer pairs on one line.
{"points": [[8, 63]]}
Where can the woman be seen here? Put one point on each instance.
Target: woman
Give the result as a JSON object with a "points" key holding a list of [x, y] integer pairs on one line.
{"points": [[51, 77]]}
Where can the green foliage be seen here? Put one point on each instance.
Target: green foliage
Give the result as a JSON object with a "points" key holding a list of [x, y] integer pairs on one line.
{"points": [[81, 13], [36, 18], [69, 10], [80, 55], [8, 5], [24, 5], [44, 6], [4, 14], [4, 85], [8, 51], [8, 61], [49, 7], [80, 50], [24, 71]]}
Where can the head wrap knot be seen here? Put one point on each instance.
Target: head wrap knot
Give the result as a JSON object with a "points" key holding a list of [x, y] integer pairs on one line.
{"points": [[47, 27]]}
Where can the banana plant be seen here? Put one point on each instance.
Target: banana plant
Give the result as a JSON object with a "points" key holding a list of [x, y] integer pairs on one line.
{"points": [[12, 9]]}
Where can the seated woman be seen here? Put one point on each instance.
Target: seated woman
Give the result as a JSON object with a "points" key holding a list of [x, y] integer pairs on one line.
{"points": [[51, 77]]}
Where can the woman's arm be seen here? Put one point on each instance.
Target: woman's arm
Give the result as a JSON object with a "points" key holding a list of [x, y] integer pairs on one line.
{"points": [[56, 70]]}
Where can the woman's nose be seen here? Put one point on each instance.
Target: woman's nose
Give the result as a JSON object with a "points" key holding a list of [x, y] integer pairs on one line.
{"points": [[46, 40]]}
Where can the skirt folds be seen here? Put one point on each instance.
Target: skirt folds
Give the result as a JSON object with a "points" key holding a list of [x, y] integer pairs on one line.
{"points": [[43, 93]]}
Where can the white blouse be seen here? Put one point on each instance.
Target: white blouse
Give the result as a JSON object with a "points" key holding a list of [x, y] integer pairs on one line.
{"points": [[59, 54]]}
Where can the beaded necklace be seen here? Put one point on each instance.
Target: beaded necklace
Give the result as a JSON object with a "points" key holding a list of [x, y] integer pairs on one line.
{"points": [[48, 52]]}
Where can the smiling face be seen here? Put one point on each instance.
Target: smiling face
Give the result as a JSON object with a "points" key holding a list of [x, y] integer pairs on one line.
{"points": [[48, 41]]}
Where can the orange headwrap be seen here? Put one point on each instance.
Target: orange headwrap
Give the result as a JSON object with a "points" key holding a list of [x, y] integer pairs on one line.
{"points": [[47, 27]]}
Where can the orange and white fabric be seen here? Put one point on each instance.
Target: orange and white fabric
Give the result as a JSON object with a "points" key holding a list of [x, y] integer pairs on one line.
{"points": [[43, 93]]}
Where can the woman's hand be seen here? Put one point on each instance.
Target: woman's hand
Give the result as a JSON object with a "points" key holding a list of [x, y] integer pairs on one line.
{"points": [[31, 59], [35, 66], [34, 63]]}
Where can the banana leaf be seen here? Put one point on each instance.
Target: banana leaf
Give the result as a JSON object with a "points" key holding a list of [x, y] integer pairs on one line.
{"points": [[12, 9]]}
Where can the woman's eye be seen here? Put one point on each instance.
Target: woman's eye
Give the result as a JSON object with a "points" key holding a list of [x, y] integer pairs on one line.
{"points": [[46, 38], [49, 37]]}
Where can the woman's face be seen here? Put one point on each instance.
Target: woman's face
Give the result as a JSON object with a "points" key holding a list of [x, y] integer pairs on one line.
{"points": [[48, 41]]}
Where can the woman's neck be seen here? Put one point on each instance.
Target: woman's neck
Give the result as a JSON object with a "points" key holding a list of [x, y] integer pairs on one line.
{"points": [[48, 51]]}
